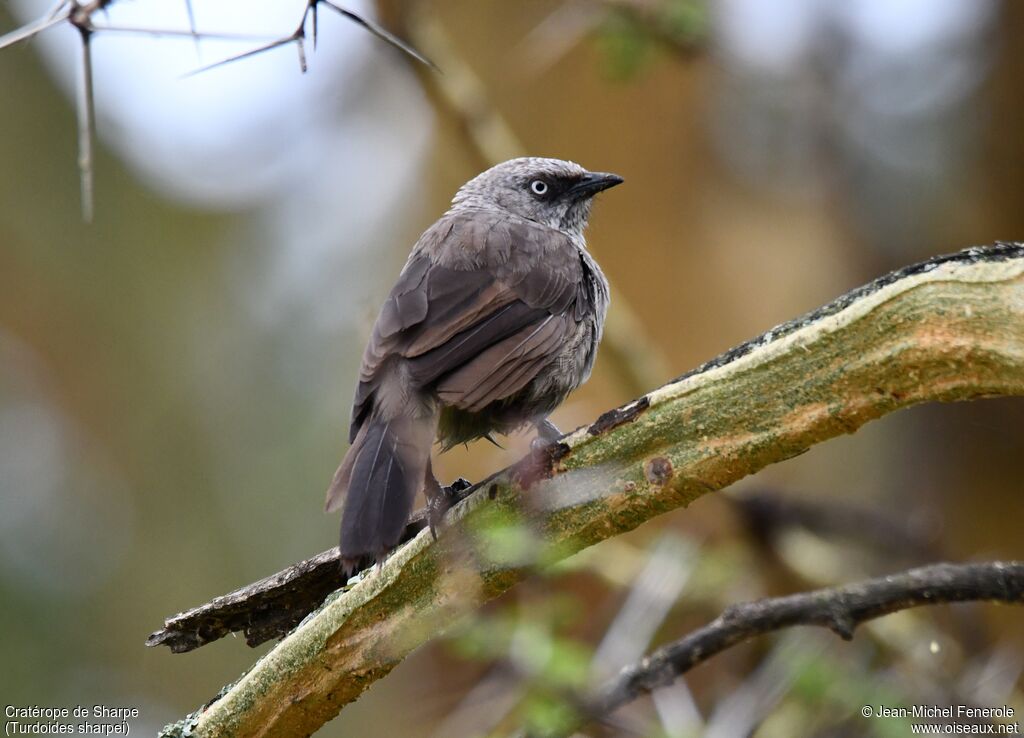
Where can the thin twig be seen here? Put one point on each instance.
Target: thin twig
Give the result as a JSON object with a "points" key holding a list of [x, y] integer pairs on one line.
{"points": [[80, 16], [192, 23], [283, 41], [85, 125], [30, 30], [177, 32], [381, 33], [298, 37], [840, 609], [313, 4]]}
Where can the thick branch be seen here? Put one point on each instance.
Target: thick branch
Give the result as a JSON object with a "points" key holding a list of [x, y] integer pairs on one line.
{"points": [[948, 329], [841, 609]]}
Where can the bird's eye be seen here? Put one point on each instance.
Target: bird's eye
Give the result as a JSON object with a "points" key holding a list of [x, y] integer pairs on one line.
{"points": [[539, 187]]}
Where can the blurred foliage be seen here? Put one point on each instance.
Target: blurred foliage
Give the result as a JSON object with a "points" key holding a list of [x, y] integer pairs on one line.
{"points": [[626, 45], [631, 35], [199, 406]]}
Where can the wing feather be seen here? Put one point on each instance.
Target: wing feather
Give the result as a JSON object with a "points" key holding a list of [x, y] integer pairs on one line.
{"points": [[504, 368], [480, 308]]}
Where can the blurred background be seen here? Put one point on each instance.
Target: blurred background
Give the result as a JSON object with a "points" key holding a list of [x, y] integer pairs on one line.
{"points": [[175, 377]]}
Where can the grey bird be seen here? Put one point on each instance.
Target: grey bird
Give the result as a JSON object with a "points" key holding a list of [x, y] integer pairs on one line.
{"points": [[494, 320]]}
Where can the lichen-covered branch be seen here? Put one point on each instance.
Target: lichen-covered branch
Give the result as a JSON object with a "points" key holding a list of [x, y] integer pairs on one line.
{"points": [[948, 329], [841, 609]]}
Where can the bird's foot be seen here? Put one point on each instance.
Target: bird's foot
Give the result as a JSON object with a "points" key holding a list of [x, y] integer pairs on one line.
{"points": [[547, 433], [439, 503]]}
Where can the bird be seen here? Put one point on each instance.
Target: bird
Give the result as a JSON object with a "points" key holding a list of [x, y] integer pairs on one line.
{"points": [[495, 318]]}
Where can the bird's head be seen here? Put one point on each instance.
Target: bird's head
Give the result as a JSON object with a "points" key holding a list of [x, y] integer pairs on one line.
{"points": [[552, 192]]}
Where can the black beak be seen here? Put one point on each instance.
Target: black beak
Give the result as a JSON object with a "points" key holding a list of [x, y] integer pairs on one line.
{"points": [[593, 182]]}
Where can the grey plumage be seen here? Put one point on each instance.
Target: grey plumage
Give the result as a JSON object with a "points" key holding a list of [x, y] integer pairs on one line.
{"points": [[494, 320]]}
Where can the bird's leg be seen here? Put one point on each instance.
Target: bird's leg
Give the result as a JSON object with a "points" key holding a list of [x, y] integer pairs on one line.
{"points": [[547, 433], [437, 503], [440, 499]]}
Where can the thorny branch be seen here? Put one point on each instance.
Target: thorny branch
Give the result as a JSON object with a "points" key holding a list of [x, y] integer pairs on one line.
{"points": [[81, 15], [766, 513], [840, 609]]}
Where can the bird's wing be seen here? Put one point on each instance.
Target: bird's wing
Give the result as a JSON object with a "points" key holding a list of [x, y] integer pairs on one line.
{"points": [[480, 307]]}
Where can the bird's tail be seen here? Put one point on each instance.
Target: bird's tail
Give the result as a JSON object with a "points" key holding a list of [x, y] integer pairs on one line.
{"points": [[377, 481]]}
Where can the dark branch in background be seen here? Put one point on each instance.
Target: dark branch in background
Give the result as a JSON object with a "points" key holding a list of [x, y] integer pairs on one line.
{"points": [[840, 609], [767, 513], [80, 15]]}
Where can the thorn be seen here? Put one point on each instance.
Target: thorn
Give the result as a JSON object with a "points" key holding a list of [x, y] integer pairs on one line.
{"points": [[381, 33], [30, 30], [243, 55], [841, 622], [301, 45], [312, 8], [192, 26]]}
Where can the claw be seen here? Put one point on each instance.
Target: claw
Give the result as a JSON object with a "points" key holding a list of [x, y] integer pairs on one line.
{"points": [[454, 489], [435, 515], [440, 500]]}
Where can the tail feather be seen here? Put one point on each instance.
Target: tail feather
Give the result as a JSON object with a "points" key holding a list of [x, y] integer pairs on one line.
{"points": [[339, 485], [378, 481]]}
